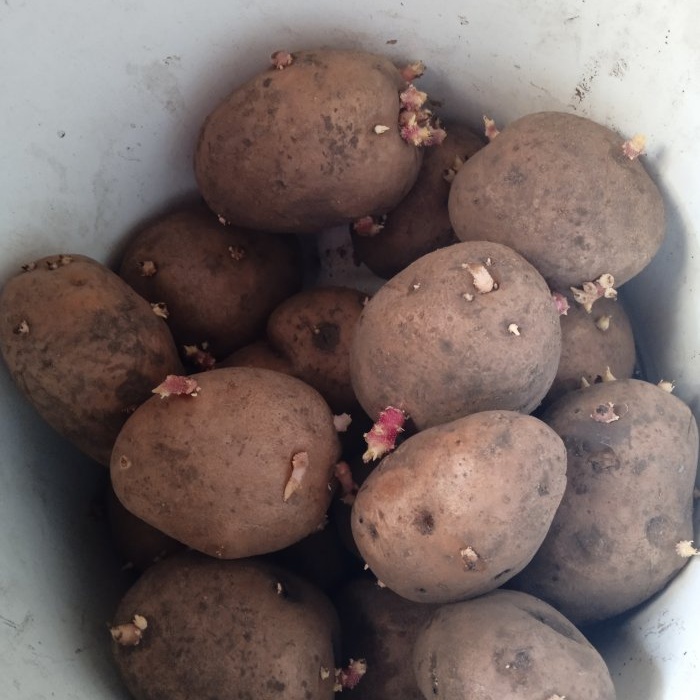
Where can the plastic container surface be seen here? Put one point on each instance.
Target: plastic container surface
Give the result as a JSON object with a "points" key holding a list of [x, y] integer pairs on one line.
{"points": [[101, 105]]}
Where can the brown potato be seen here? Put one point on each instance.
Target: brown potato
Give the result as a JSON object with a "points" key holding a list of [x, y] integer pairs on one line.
{"points": [[239, 467], [380, 627], [592, 343], [83, 347], [218, 283], [138, 544], [507, 645], [296, 149], [430, 343], [420, 222], [321, 559], [458, 509], [632, 458], [258, 354], [559, 189], [224, 629], [314, 329]]}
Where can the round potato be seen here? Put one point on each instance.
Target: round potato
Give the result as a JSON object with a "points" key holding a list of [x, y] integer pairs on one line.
{"points": [[380, 627], [458, 509], [296, 149], [83, 347], [467, 328], [420, 222], [219, 283], [194, 627], [560, 190], [507, 645], [593, 346], [632, 453], [314, 329], [237, 464]]}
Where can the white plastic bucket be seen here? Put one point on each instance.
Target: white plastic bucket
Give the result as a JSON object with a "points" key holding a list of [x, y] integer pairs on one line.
{"points": [[101, 102]]}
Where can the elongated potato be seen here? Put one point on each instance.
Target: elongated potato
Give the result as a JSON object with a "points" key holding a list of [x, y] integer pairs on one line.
{"points": [[632, 452], [83, 347], [239, 466]]}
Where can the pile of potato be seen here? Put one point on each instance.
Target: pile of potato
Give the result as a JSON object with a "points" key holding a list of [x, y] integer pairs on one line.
{"points": [[418, 494]]}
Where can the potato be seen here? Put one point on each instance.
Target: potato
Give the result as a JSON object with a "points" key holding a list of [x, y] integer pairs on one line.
{"points": [[138, 544], [420, 223], [313, 330], [591, 344], [296, 149], [507, 645], [458, 509], [559, 189], [218, 283], [430, 343], [238, 467], [380, 627], [632, 458], [83, 348], [258, 354], [321, 559], [225, 629]]}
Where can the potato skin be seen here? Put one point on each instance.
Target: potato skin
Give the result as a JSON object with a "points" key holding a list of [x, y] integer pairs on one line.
{"points": [[511, 645], [559, 189], [421, 346], [224, 629], [379, 626], [587, 350], [83, 348], [138, 544], [458, 509], [420, 222], [219, 283], [628, 502], [314, 329], [211, 470], [295, 149]]}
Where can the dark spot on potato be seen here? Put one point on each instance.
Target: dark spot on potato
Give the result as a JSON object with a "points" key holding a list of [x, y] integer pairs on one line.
{"points": [[421, 590], [327, 122], [326, 336], [579, 483], [592, 543], [502, 574], [556, 625], [658, 530], [247, 142], [639, 466], [446, 345], [516, 666], [267, 82], [515, 176], [603, 460], [542, 489], [372, 529], [275, 685], [424, 523]]}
